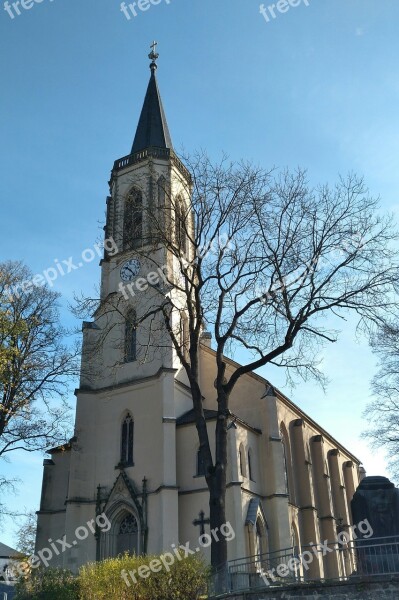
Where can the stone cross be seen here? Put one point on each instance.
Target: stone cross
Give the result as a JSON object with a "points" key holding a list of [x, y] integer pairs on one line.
{"points": [[201, 522]]}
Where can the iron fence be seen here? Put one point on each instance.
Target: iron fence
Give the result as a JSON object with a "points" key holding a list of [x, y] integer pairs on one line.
{"points": [[333, 561]]}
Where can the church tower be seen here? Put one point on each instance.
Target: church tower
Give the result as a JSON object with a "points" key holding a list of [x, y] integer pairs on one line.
{"points": [[122, 459]]}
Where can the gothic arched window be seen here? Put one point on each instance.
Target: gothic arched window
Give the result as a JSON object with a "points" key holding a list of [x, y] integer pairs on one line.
{"points": [[133, 220], [180, 226], [127, 441], [131, 336]]}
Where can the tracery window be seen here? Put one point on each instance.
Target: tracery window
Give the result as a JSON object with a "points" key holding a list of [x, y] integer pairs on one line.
{"points": [[129, 525]]}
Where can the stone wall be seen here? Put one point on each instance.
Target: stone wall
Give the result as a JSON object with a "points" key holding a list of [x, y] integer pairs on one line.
{"points": [[386, 588]]}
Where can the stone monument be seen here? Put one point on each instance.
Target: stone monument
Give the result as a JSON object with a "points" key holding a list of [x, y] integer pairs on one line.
{"points": [[377, 501]]}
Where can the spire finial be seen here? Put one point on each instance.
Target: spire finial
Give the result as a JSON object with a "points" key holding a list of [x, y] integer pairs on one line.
{"points": [[153, 56]]}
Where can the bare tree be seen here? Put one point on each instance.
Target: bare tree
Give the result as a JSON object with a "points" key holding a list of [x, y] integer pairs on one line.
{"points": [[35, 366], [383, 412], [26, 535], [6, 486], [261, 260]]}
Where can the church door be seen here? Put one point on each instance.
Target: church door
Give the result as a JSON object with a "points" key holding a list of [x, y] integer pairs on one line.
{"points": [[127, 536]]}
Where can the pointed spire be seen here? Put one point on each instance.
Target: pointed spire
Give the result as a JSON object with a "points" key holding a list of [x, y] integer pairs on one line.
{"points": [[152, 130]]}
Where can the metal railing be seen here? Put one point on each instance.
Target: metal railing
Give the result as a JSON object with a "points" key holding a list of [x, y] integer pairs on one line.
{"points": [[314, 563]]}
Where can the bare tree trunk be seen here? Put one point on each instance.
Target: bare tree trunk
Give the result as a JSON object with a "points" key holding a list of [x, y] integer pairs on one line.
{"points": [[217, 495], [217, 485]]}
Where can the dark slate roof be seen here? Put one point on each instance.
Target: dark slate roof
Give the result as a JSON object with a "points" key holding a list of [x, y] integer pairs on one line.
{"points": [[7, 552], [189, 417], [152, 130], [269, 390], [252, 511]]}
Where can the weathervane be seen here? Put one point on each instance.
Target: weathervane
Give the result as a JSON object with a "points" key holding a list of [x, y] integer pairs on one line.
{"points": [[153, 55]]}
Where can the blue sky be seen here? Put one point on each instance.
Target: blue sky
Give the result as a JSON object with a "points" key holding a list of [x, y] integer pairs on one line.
{"points": [[316, 87]]}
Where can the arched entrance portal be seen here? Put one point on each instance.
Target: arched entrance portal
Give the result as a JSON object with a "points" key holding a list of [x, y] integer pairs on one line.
{"points": [[124, 535], [127, 537], [128, 518]]}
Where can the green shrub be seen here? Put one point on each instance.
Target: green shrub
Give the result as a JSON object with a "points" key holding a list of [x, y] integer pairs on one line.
{"points": [[48, 584], [185, 580]]}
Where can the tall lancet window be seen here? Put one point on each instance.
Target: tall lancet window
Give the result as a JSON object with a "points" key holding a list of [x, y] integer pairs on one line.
{"points": [[127, 441], [133, 220], [131, 336], [286, 480], [180, 226]]}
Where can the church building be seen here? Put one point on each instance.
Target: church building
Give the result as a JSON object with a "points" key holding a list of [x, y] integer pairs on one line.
{"points": [[134, 455]]}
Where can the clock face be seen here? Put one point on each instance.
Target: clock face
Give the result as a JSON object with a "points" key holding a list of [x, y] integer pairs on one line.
{"points": [[130, 269]]}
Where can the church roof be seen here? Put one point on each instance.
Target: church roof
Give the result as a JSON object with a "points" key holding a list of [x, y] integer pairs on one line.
{"points": [[7, 552], [252, 513], [152, 130], [273, 391], [189, 417]]}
